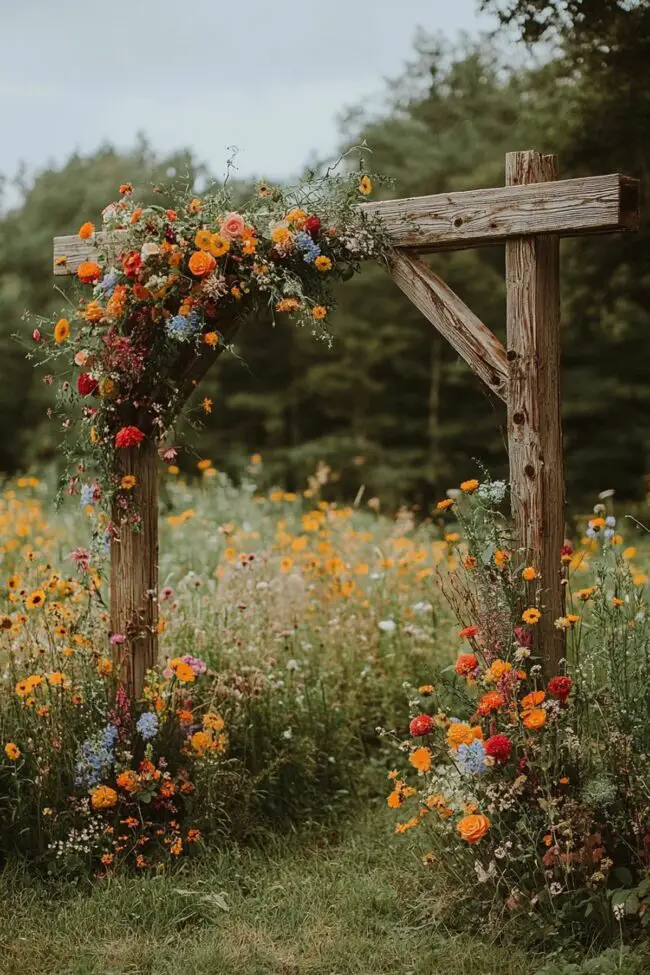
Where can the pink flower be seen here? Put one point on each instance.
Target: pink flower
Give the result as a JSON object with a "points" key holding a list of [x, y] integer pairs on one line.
{"points": [[233, 226], [36, 335], [168, 454], [81, 558], [167, 592], [116, 639]]}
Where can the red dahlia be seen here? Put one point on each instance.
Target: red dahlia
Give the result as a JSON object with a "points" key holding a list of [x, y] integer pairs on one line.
{"points": [[129, 437], [86, 384], [422, 724], [499, 747], [559, 687]]}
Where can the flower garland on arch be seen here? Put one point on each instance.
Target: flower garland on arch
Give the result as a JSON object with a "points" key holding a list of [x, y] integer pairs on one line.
{"points": [[168, 289]]}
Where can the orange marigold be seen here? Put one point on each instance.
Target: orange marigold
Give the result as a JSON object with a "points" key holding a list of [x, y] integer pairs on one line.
{"points": [[88, 272], [421, 759], [86, 230], [103, 797], [490, 702]]}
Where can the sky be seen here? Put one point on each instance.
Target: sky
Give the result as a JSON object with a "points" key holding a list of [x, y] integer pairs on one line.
{"points": [[268, 78]]}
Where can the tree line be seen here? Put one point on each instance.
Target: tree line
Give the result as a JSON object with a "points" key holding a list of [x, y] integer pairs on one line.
{"points": [[389, 405]]}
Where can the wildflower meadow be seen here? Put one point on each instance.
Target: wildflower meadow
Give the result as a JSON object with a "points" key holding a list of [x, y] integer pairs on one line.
{"points": [[322, 663]]}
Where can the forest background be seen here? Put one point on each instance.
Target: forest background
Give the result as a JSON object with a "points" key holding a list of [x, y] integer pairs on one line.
{"points": [[389, 406]]}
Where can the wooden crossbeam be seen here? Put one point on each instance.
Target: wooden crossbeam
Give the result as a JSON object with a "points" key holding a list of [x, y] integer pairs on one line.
{"points": [[470, 218], [464, 331], [569, 207]]}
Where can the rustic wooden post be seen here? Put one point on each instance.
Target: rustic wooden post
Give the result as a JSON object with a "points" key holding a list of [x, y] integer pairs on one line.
{"points": [[134, 570], [534, 409]]}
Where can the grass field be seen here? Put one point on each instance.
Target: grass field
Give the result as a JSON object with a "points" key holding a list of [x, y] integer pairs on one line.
{"points": [[337, 901]]}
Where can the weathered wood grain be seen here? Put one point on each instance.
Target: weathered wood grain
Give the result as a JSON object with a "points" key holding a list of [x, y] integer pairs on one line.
{"points": [[534, 413], [478, 217], [592, 204], [471, 339], [134, 570]]}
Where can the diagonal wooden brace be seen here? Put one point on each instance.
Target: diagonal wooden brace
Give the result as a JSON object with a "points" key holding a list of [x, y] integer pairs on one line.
{"points": [[464, 331]]}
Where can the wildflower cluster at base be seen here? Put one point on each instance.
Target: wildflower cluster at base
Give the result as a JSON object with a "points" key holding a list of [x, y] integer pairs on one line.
{"points": [[531, 787]]}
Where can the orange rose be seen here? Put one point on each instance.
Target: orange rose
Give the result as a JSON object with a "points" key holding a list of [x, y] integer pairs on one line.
{"points": [[473, 828], [533, 720], [201, 264]]}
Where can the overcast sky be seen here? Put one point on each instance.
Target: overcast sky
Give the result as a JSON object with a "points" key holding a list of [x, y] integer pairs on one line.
{"points": [[267, 77]]}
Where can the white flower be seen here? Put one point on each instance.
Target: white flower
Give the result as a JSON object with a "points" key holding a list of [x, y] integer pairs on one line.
{"points": [[149, 249], [288, 733], [293, 665], [387, 626], [422, 607]]}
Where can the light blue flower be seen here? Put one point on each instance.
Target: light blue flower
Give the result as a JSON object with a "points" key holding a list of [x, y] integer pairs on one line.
{"points": [[471, 758], [183, 328], [306, 244], [108, 282], [95, 757], [610, 521], [148, 725], [88, 495]]}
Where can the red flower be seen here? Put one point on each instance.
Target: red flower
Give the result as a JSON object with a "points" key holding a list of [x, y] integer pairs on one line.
{"points": [[131, 264], [559, 687], [421, 725], [86, 385], [36, 335], [466, 664], [129, 437], [567, 549], [468, 632], [499, 747], [312, 225]]}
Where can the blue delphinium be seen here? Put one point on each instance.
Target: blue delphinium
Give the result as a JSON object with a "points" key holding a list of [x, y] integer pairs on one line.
{"points": [[95, 757], [471, 758], [108, 282], [87, 495], [183, 328], [305, 243], [148, 725]]}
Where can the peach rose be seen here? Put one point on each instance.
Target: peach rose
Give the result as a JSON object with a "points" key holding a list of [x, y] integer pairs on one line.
{"points": [[473, 828], [233, 226], [201, 263]]}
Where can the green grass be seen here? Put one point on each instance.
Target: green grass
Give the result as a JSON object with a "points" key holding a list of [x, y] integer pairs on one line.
{"points": [[323, 904]]}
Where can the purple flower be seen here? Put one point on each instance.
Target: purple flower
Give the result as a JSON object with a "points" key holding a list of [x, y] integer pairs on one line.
{"points": [[198, 666]]}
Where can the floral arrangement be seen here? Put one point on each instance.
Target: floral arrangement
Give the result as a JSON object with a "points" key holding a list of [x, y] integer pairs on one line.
{"points": [[169, 287], [532, 786]]}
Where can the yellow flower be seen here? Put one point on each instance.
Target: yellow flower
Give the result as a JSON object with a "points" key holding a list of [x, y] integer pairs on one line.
{"points": [[103, 797], [128, 482], [207, 404], [173, 469], [35, 600], [213, 721], [281, 235], [61, 330], [56, 678], [629, 553], [218, 245], [203, 240], [529, 573], [323, 263], [469, 486], [286, 565], [204, 464], [296, 218], [319, 312], [459, 733], [12, 751], [421, 759], [531, 616], [104, 667], [497, 669], [365, 185]]}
